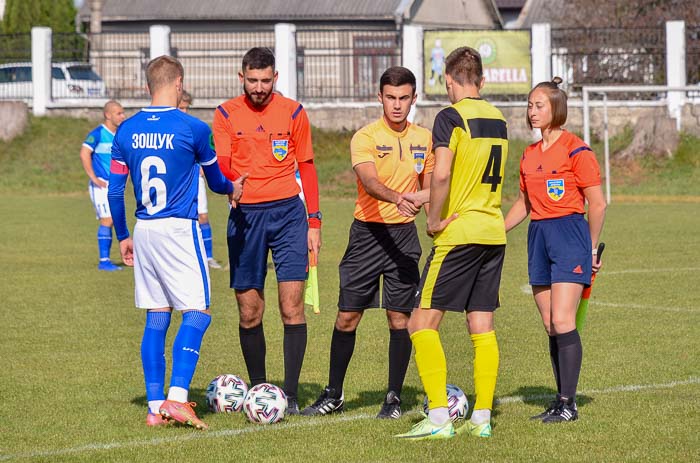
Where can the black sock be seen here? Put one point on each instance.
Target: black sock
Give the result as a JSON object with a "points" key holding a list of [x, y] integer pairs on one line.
{"points": [[253, 347], [342, 347], [294, 350], [554, 357], [399, 356], [570, 356]]}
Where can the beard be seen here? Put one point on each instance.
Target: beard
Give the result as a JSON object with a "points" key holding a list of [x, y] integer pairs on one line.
{"points": [[258, 99]]}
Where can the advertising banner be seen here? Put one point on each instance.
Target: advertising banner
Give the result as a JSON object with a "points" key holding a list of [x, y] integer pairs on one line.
{"points": [[504, 54]]}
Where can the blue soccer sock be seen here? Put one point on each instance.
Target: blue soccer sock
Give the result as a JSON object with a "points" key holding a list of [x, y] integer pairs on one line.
{"points": [[186, 347], [104, 242], [153, 356], [206, 236]]}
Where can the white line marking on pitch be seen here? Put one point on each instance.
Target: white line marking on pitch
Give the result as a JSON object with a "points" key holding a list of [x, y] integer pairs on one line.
{"points": [[609, 390], [526, 289], [187, 437], [310, 423], [649, 270], [645, 307]]}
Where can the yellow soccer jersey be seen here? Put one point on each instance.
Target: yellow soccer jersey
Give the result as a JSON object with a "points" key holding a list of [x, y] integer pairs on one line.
{"points": [[400, 158], [476, 132]]}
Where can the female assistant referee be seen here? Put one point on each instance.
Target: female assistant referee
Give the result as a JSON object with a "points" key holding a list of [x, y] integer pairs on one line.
{"points": [[557, 175]]}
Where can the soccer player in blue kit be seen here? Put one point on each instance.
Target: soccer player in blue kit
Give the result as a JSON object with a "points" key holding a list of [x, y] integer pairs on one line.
{"points": [[95, 155], [162, 148]]}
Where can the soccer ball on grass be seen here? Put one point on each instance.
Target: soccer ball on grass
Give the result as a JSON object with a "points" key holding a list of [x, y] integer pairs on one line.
{"points": [[457, 403], [265, 403], [226, 394]]}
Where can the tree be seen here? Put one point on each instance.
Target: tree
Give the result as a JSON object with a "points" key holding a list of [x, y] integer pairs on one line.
{"points": [[593, 14], [22, 15]]}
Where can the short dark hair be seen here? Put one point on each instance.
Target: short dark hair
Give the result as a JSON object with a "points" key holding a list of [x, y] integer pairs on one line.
{"points": [[557, 100], [258, 58], [162, 71], [464, 66], [186, 97], [397, 76]]}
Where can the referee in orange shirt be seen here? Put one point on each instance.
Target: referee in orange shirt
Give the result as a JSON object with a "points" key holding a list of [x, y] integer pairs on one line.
{"points": [[391, 157], [558, 175], [263, 134]]}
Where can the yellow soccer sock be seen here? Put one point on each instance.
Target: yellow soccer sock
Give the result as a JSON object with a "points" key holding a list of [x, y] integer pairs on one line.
{"points": [[485, 368], [432, 366]]}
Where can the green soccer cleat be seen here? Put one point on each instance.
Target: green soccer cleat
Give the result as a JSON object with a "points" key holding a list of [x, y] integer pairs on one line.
{"points": [[478, 430], [425, 429]]}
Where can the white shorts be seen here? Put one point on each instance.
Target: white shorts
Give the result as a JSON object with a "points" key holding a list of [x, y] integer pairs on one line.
{"points": [[202, 206], [98, 196], [170, 265]]}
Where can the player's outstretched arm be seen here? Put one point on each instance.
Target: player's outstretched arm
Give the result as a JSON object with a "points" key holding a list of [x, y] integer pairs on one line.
{"points": [[86, 160], [596, 217], [440, 190], [237, 192], [115, 196], [215, 179], [518, 212], [309, 183], [126, 248]]}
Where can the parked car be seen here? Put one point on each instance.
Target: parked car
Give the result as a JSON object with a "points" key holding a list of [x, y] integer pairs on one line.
{"points": [[68, 80]]}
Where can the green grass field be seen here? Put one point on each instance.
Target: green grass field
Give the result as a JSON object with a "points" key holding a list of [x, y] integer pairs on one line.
{"points": [[72, 389]]}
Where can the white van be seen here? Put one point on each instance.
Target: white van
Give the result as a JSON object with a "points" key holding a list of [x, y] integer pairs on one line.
{"points": [[68, 80]]}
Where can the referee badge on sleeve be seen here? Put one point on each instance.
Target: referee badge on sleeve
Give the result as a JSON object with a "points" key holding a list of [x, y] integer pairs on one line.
{"points": [[555, 188], [419, 162], [280, 149]]}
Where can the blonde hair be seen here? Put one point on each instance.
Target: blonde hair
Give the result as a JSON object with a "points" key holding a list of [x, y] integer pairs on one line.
{"points": [[163, 71]]}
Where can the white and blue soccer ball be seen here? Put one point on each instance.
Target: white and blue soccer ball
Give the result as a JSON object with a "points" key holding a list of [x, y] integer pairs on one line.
{"points": [[226, 394], [265, 403], [457, 403]]}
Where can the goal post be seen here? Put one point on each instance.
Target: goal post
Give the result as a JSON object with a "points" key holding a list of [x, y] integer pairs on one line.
{"points": [[604, 90]]}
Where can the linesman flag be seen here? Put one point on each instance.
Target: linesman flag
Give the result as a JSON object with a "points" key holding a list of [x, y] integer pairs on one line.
{"points": [[582, 309], [311, 290]]}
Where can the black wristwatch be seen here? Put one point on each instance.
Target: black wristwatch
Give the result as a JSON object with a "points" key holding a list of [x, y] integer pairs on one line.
{"points": [[316, 215]]}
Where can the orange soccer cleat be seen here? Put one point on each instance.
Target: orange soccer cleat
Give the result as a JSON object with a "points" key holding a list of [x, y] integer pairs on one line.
{"points": [[182, 413]]}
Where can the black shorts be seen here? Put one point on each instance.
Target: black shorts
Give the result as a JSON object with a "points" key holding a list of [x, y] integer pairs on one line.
{"points": [[375, 250], [463, 277]]}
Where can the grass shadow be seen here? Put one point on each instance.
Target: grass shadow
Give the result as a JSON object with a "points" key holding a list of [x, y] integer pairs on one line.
{"points": [[409, 399], [542, 395]]}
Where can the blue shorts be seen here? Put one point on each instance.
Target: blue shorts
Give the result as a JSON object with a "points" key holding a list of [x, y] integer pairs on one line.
{"points": [[559, 251], [253, 229]]}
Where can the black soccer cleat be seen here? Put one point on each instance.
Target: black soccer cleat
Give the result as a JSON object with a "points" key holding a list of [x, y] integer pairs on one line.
{"points": [[566, 411], [551, 408], [325, 404], [391, 408], [292, 406]]}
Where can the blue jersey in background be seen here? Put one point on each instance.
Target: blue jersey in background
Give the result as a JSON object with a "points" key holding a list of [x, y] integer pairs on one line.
{"points": [[100, 142]]}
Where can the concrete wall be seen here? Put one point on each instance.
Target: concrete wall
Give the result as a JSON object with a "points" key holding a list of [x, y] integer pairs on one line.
{"points": [[351, 117], [13, 119], [690, 119]]}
